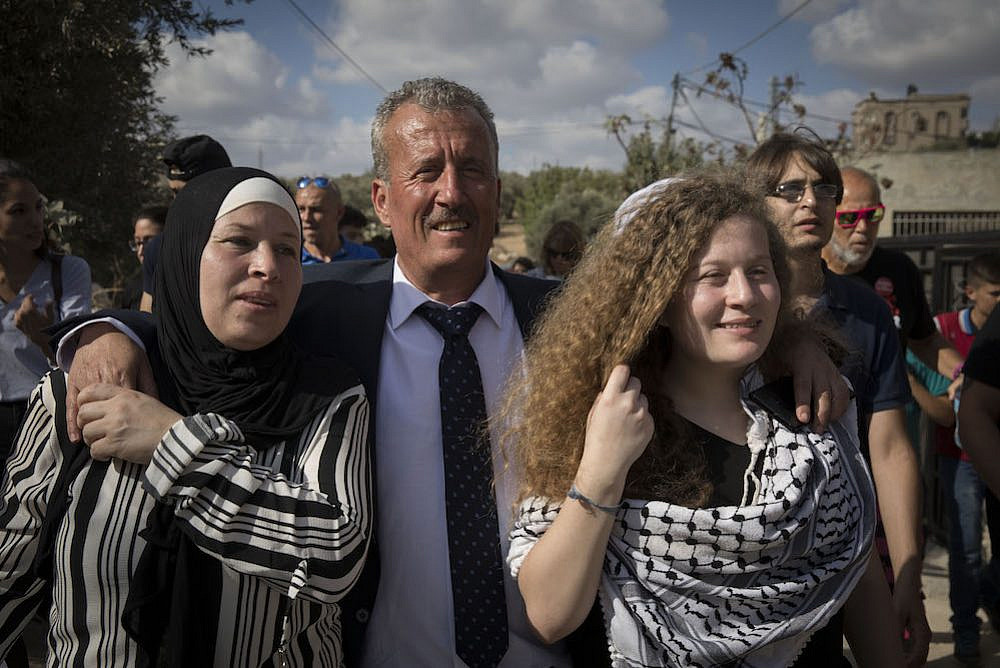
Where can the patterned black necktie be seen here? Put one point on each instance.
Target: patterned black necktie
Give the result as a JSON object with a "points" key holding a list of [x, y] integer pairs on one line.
{"points": [[473, 532]]}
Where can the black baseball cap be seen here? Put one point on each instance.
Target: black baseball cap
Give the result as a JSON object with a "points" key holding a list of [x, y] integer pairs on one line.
{"points": [[188, 157]]}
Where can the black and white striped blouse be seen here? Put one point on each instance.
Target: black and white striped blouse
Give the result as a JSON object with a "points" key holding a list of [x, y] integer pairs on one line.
{"points": [[290, 526]]}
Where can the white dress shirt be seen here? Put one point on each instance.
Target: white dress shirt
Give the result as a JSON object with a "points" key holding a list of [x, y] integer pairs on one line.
{"points": [[412, 621]]}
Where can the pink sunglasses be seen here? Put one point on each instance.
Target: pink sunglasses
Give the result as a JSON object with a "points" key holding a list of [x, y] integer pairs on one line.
{"points": [[850, 218]]}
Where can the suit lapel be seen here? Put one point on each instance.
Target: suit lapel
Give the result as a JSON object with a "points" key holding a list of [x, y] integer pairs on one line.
{"points": [[371, 311], [527, 296]]}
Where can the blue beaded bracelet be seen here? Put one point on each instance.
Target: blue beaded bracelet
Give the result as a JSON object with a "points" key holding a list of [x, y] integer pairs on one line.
{"points": [[577, 495]]}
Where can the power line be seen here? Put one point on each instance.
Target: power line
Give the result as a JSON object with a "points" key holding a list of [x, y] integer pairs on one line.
{"points": [[714, 135], [343, 53], [694, 113], [756, 39], [754, 103]]}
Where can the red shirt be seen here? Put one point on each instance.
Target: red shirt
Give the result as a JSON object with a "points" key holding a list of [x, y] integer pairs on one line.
{"points": [[957, 327]]}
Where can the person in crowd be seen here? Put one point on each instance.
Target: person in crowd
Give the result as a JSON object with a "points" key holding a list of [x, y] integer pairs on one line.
{"points": [[185, 159], [383, 245], [322, 209], [439, 306], [225, 537], [692, 511], [971, 584], [352, 225], [148, 225], [561, 250], [37, 288], [192, 156], [521, 265], [853, 251], [979, 408], [803, 185]]}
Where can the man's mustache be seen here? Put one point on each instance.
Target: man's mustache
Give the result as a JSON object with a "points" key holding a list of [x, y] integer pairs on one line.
{"points": [[460, 214]]}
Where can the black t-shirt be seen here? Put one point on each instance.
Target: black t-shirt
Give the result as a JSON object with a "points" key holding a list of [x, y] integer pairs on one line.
{"points": [[728, 468], [898, 281], [983, 363]]}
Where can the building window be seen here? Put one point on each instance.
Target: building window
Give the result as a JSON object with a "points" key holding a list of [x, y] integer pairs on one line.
{"points": [[890, 128], [942, 125]]}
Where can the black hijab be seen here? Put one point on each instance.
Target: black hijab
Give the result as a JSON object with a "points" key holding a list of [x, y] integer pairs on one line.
{"points": [[272, 392]]}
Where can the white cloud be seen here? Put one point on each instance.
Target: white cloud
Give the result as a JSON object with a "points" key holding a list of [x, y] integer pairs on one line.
{"points": [[648, 101], [895, 42], [245, 97], [522, 55], [699, 43], [837, 104], [814, 12], [237, 82]]}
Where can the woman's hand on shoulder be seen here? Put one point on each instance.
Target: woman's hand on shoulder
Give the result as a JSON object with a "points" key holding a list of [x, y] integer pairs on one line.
{"points": [[619, 428], [121, 423]]}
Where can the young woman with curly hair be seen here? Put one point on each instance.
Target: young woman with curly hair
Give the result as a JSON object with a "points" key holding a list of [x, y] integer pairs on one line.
{"points": [[711, 532]]}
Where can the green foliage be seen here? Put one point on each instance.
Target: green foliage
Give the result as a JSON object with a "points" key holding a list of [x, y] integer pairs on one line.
{"points": [[983, 139], [513, 188], [77, 107], [649, 159], [356, 190], [589, 208], [553, 193]]}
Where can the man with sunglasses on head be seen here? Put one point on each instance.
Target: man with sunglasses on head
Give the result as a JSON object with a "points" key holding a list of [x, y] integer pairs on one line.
{"points": [[321, 208], [853, 251], [803, 187]]}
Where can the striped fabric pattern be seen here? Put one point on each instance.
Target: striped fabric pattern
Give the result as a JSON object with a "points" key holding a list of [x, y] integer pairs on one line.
{"points": [[289, 526]]}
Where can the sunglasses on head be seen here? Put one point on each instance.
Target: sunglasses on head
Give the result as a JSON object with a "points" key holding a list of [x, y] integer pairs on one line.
{"points": [[851, 217], [319, 182], [794, 191]]}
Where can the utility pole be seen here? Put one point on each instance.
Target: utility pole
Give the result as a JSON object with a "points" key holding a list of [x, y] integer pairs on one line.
{"points": [[670, 117], [260, 157], [775, 101]]}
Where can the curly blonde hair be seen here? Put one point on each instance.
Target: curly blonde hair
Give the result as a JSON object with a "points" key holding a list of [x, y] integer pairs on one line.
{"points": [[607, 313]]}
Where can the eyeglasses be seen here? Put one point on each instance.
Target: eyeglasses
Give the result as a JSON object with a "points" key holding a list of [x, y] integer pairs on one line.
{"points": [[136, 244], [319, 182], [794, 191], [851, 217]]}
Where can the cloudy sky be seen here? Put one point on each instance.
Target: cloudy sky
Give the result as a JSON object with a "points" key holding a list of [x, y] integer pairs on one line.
{"points": [[277, 94]]}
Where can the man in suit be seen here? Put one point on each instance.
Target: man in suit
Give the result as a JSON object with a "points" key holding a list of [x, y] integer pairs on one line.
{"points": [[437, 188]]}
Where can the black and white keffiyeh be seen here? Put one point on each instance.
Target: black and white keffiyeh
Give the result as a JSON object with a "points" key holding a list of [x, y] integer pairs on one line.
{"points": [[749, 583]]}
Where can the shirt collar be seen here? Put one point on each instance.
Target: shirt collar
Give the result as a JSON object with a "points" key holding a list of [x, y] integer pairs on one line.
{"points": [[965, 321], [406, 297]]}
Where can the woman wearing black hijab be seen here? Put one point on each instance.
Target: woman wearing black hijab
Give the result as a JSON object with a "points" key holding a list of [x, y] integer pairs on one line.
{"points": [[223, 538]]}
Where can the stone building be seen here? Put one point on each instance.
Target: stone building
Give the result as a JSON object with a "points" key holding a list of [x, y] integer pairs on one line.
{"points": [[912, 123]]}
